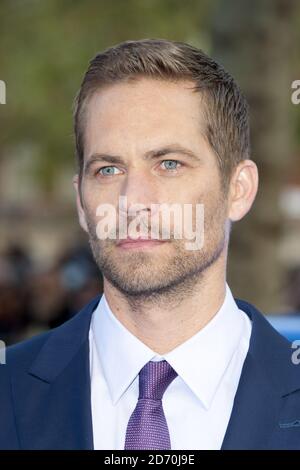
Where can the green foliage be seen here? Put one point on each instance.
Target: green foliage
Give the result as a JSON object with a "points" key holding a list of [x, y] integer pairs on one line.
{"points": [[44, 50]]}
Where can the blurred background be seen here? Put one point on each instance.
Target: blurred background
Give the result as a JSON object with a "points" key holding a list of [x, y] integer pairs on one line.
{"points": [[46, 269]]}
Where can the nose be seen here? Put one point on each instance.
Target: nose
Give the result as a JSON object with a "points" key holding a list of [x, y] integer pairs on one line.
{"points": [[139, 189]]}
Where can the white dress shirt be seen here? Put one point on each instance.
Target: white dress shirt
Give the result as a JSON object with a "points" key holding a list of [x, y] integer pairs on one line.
{"points": [[197, 404]]}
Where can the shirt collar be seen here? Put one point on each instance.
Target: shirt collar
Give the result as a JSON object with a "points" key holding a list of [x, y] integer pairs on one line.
{"points": [[201, 361]]}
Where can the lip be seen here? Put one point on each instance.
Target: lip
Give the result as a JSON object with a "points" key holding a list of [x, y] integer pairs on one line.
{"points": [[140, 242]]}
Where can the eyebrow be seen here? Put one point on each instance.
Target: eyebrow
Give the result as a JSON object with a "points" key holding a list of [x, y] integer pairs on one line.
{"points": [[150, 155]]}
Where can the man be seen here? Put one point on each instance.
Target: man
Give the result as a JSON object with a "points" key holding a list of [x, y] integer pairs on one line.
{"points": [[166, 358]]}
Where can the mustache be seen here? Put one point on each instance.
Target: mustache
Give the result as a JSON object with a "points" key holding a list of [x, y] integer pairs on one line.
{"points": [[115, 234], [134, 227]]}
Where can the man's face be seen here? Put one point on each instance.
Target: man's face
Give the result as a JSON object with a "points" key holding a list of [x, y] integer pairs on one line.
{"points": [[136, 122]]}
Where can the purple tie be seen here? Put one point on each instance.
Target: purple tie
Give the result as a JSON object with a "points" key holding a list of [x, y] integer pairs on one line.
{"points": [[147, 427]]}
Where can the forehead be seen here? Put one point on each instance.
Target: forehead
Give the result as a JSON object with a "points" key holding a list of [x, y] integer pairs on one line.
{"points": [[150, 110]]}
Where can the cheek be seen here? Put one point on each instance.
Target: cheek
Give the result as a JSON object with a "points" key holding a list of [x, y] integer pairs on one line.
{"points": [[94, 196], [214, 203]]}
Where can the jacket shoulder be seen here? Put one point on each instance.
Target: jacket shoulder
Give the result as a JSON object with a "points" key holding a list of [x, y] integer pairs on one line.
{"points": [[17, 358], [23, 353], [20, 356]]}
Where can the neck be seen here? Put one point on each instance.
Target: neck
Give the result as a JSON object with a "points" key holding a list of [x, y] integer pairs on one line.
{"points": [[163, 327]]}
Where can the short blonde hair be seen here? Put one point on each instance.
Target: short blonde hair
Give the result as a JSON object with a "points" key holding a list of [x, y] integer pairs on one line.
{"points": [[226, 108]]}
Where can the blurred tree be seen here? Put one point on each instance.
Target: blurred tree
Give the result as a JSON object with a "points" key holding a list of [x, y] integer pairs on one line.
{"points": [[44, 50], [254, 40]]}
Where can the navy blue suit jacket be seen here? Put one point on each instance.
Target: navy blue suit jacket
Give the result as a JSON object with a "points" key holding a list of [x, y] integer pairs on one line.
{"points": [[45, 390]]}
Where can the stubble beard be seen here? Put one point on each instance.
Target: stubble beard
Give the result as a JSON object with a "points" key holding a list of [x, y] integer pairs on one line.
{"points": [[158, 276]]}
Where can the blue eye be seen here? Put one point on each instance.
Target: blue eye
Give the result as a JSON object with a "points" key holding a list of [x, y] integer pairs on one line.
{"points": [[108, 170], [171, 164]]}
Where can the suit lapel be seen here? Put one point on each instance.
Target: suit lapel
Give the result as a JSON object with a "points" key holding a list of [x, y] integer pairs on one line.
{"points": [[53, 401], [255, 411], [267, 376]]}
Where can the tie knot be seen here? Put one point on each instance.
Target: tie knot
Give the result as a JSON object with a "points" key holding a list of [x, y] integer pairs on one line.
{"points": [[154, 378]]}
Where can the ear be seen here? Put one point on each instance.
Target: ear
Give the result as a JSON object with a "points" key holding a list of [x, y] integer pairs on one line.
{"points": [[80, 209], [243, 189]]}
